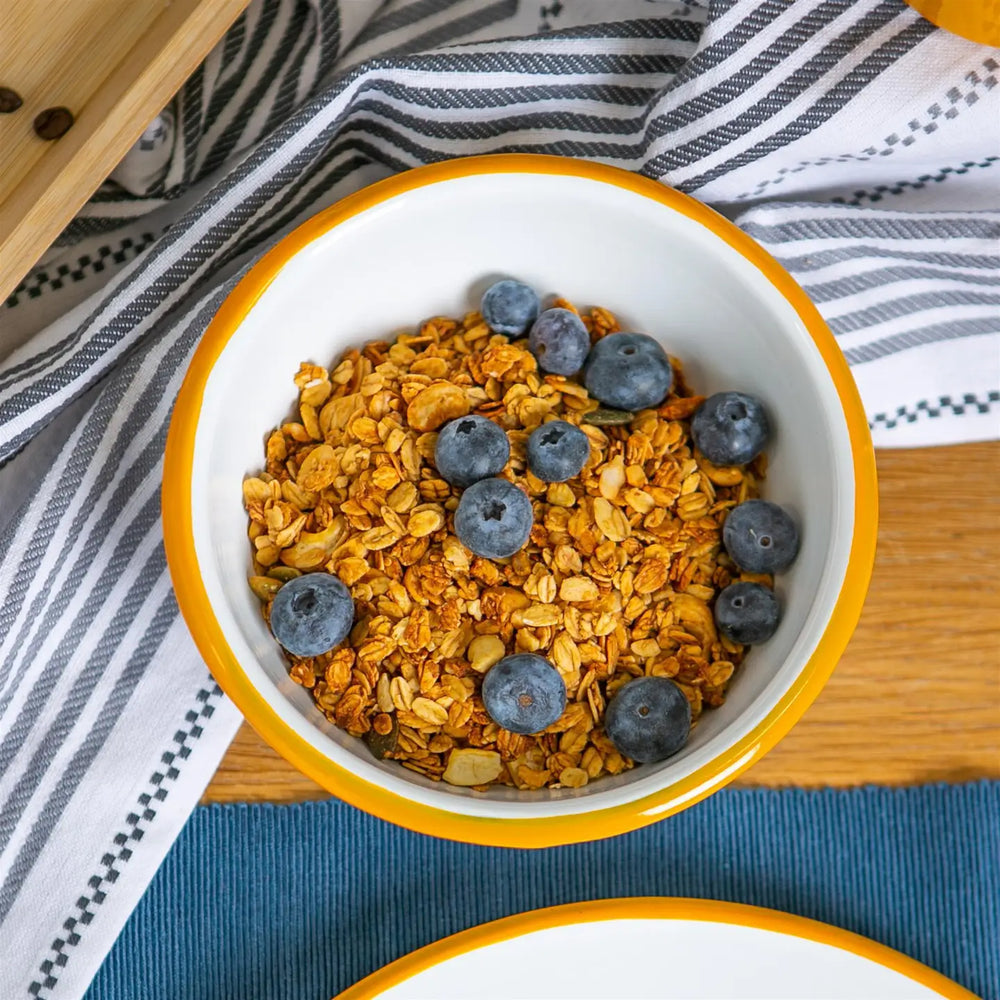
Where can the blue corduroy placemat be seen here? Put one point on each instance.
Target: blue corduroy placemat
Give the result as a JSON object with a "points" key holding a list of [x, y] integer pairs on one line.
{"points": [[302, 901]]}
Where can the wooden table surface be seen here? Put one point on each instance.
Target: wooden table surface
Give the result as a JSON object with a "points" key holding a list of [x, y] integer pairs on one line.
{"points": [[916, 696]]}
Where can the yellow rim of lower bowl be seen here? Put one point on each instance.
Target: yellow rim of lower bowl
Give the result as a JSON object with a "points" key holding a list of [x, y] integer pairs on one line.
{"points": [[544, 831], [651, 908]]}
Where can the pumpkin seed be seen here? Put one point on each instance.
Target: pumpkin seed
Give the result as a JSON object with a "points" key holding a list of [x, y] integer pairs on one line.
{"points": [[264, 587], [379, 744], [284, 573], [605, 417]]}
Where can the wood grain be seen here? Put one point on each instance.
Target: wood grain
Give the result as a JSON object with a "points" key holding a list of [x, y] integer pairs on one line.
{"points": [[114, 64], [916, 696]]}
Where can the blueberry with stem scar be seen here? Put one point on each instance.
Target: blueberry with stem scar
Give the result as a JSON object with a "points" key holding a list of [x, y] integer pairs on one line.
{"points": [[494, 518], [557, 451], [747, 613], [648, 719], [311, 614], [628, 371], [509, 307], [524, 693], [760, 537], [730, 428], [469, 449], [559, 342]]}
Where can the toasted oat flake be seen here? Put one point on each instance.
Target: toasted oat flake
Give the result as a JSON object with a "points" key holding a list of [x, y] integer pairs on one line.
{"points": [[484, 651], [579, 588], [425, 522], [472, 767], [540, 614]]}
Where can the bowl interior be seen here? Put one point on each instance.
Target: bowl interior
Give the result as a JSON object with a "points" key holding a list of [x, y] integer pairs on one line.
{"points": [[432, 251]]}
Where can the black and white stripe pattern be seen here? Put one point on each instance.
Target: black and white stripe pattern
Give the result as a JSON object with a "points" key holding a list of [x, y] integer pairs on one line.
{"points": [[851, 139]]}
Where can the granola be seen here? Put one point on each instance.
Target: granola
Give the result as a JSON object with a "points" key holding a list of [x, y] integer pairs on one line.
{"points": [[616, 581]]}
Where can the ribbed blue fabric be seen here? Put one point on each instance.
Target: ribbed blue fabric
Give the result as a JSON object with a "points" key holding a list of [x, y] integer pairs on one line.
{"points": [[276, 902]]}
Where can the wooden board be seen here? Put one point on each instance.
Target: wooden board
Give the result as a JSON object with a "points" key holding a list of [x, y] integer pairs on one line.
{"points": [[917, 695], [115, 64]]}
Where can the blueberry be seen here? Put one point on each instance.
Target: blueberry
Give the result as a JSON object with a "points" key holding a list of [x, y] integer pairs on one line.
{"points": [[730, 428], [760, 537], [648, 719], [494, 518], [311, 614], [559, 341], [524, 693], [747, 613], [628, 371], [470, 449], [509, 307], [557, 451]]}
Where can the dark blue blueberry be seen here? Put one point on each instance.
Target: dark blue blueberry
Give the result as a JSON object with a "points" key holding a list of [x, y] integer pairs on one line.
{"points": [[730, 428], [524, 693], [494, 518], [648, 719], [760, 537], [509, 307], [559, 341], [557, 451], [747, 613], [311, 614], [469, 449], [628, 371]]}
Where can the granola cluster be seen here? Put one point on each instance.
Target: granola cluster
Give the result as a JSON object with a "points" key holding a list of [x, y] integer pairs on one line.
{"points": [[615, 582]]}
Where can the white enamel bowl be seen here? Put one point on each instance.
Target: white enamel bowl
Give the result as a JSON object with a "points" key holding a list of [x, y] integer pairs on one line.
{"points": [[426, 243], [656, 949]]}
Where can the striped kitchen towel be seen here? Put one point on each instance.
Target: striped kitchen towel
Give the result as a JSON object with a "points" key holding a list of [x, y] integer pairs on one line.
{"points": [[856, 142]]}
